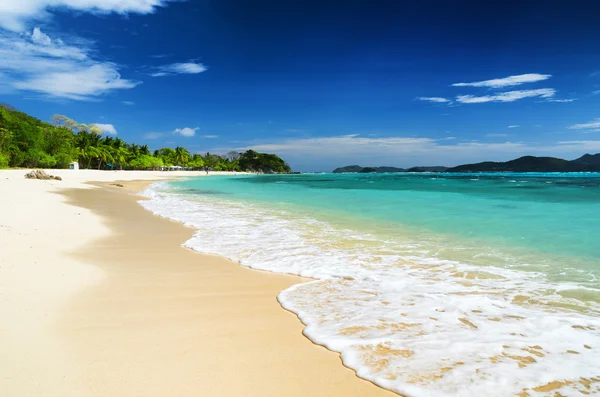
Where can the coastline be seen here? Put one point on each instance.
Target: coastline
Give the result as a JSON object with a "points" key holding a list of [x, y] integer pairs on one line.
{"points": [[159, 319]]}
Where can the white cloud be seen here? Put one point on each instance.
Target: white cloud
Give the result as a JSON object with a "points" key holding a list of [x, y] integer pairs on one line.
{"points": [[187, 132], [39, 37], [82, 84], [509, 96], [585, 126], [352, 143], [129, 103], [513, 126], [562, 100], [15, 14], [434, 99], [107, 128], [583, 146], [506, 81], [50, 67], [179, 68], [497, 135], [326, 153], [335, 151]]}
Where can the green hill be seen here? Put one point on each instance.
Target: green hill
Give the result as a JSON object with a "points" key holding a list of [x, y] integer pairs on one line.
{"points": [[28, 142]]}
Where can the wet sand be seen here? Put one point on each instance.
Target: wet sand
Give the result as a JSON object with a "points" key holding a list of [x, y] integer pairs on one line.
{"points": [[166, 321]]}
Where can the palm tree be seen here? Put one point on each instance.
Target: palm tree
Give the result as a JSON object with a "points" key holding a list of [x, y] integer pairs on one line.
{"points": [[120, 155], [104, 155], [197, 161], [87, 144], [119, 151], [182, 156]]}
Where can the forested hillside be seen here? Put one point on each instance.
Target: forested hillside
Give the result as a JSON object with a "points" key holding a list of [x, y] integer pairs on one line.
{"points": [[28, 142]]}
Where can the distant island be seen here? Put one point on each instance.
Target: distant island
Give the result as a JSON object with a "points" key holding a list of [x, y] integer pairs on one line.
{"points": [[586, 163], [366, 170]]}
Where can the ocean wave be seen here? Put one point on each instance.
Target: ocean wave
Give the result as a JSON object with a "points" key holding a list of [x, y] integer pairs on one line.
{"points": [[400, 316]]}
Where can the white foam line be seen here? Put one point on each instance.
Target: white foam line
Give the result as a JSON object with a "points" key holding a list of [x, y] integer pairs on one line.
{"points": [[395, 321]]}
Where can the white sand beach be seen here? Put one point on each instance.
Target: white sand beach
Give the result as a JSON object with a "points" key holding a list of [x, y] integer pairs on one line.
{"points": [[98, 298]]}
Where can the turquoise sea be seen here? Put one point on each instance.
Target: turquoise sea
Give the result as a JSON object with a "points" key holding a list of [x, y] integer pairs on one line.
{"points": [[427, 284]]}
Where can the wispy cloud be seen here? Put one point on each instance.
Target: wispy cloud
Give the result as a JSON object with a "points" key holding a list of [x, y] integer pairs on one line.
{"points": [[187, 131], [107, 128], [339, 150], [582, 145], [14, 14], [562, 100], [586, 126], [509, 96], [513, 126], [596, 92], [154, 135], [434, 99], [179, 68], [38, 63], [129, 103], [506, 81], [496, 135]]}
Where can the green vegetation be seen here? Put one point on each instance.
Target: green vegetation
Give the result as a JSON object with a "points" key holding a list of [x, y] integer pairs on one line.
{"points": [[28, 142]]}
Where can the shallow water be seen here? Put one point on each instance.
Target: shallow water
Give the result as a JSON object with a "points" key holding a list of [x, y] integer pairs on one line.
{"points": [[428, 284]]}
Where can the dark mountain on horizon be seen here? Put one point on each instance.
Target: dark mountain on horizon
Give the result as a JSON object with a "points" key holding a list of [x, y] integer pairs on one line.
{"points": [[358, 168], [366, 170], [427, 169], [348, 168], [588, 159], [586, 163]]}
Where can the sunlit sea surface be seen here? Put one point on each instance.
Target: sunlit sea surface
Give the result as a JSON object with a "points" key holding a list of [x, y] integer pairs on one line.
{"points": [[427, 284]]}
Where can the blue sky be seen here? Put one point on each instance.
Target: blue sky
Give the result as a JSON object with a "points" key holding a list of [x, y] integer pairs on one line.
{"points": [[323, 83]]}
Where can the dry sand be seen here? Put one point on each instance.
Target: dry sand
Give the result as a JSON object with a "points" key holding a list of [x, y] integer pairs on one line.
{"points": [[98, 298]]}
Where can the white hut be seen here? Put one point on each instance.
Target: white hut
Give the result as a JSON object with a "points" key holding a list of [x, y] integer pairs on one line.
{"points": [[74, 165]]}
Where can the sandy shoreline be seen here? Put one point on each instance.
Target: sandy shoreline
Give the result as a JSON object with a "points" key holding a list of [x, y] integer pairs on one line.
{"points": [[130, 312]]}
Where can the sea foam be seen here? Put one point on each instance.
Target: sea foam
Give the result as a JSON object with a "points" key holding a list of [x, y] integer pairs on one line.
{"points": [[399, 316]]}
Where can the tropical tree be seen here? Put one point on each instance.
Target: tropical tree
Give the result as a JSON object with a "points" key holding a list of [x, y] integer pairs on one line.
{"points": [[181, 156], [212, 161], [197, 162], [28, 142]]}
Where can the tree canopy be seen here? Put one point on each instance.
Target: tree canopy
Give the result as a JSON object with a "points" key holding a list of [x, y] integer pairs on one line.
{"points": [[28, 142]]}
